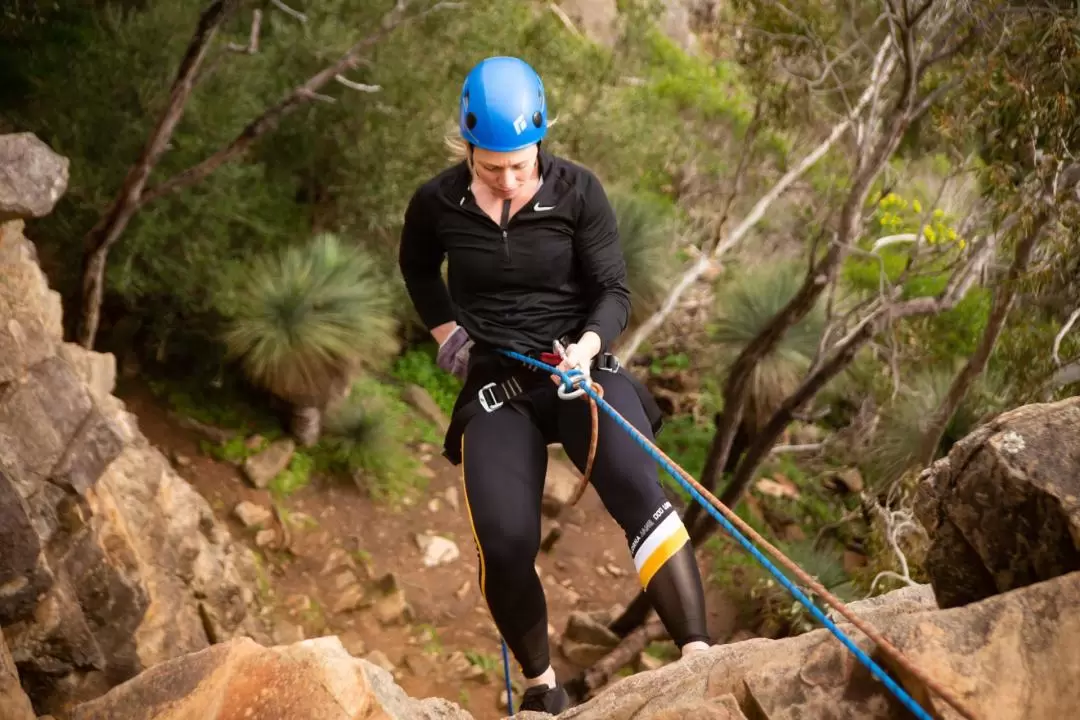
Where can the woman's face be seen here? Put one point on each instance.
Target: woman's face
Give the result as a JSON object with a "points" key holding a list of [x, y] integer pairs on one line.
{"points": [[505, 174]]}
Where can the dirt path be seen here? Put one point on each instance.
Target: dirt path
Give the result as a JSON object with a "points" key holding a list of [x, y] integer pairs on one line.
{"points": [[337, 533]]}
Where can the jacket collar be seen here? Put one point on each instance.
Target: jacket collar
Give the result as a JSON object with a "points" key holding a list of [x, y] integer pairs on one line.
{"points": [[461, 177]]}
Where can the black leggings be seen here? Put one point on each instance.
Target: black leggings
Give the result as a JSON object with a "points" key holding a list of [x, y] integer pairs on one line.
{"points": [[504, 462]]}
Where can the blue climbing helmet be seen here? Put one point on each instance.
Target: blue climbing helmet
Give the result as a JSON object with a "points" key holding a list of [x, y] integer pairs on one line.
{"points": [[503, 107]]}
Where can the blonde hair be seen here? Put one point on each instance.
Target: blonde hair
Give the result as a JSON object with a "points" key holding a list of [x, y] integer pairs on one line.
{"points": [[458, 148]]}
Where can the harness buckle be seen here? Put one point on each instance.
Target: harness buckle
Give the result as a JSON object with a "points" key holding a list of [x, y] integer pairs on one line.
{"points": [[489, 405], [609, 362]]}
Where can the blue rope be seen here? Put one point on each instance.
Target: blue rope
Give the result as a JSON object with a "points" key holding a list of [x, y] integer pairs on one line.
{"points": [[865, 659], [506, 674]]}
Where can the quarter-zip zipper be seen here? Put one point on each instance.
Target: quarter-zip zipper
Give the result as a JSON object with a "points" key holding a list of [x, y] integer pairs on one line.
{"points": [[503, 226]]}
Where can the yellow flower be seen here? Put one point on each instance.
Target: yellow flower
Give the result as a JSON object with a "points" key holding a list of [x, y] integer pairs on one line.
{"points": [[931, 236], [951, 234], [963, 243], [916, 206], [939, 213]]}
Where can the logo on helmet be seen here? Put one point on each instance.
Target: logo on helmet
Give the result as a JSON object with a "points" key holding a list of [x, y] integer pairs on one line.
{"points": [[520, 124]]}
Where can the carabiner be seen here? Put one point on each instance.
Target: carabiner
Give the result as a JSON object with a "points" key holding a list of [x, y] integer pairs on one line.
{"points": [[562, 391], [571, 394]]}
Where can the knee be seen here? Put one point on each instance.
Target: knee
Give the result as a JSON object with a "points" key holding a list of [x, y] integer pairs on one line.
{"points": [[509, 548]]}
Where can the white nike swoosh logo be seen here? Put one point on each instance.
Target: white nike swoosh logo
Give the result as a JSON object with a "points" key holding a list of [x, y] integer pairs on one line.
{"points": [[541, 208]]}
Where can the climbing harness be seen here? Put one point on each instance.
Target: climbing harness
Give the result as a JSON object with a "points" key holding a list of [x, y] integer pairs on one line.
{"points": [[575, 380]]}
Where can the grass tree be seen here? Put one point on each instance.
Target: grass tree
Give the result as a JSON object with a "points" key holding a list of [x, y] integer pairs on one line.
{"points": [[903, 423], [304, 321], [744, 306], [648, 233]]}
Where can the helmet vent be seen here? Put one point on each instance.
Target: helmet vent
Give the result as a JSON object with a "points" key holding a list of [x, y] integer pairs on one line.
{"points": [[470, 121]]}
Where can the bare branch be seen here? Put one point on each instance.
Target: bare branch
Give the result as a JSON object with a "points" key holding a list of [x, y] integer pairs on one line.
{"points": [[289, 11], [565, 19], [253, 40], [793, 449], [357, 86], [897, 524], [1062, 333]]}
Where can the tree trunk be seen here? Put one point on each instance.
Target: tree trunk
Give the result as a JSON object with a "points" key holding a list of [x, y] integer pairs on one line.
{"points": [[768, 435], [134, 195], [306, 425], [711, 473], [106, 232], [1004, 295], [595, 677]]}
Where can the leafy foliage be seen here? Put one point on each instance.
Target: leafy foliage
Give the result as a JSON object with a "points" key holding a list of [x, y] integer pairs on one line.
{"points": [[303, 320], [417, 365]]}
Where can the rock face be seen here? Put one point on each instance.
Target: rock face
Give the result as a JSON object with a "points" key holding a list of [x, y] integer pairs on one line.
{"points": [[241, 680], [1003, 508], [1011, 657], [14, 705], [110, 562]]}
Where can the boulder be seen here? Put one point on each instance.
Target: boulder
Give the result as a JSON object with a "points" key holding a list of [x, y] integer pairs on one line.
{"points": [[241, 680], [1003, 508], [560, 483], [596, 19], [1010, 657], [32, 177], [111, 562]]}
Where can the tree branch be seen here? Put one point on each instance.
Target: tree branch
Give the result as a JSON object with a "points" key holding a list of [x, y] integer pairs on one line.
{"points": [[289, 11], [253, 39], [620, 656], [1004, 296], [884, 64], [111, 225], [357, 86], [841, 356], [1061, 335], [298, 96]]}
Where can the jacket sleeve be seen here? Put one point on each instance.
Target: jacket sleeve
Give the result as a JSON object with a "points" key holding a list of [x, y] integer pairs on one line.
{"points": [[601, 259], [420, 258]]}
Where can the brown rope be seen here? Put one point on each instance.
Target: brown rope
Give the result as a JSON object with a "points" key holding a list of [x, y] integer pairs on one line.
{"points": [[806, 579], [595, 432]]}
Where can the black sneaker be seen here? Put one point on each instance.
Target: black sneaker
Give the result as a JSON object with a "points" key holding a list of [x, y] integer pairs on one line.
{"points": [[551, 700]]}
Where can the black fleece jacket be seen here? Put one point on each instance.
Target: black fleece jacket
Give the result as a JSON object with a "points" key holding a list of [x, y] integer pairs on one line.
{"points": [[555, 270]]}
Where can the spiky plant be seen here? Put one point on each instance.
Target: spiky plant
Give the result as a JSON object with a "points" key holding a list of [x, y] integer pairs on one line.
{"points": [[305, 320], [647, 231], [745, 304], [903, 421]]}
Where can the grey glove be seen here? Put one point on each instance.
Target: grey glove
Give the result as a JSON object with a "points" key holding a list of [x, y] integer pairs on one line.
{"points": [[453, 355]]}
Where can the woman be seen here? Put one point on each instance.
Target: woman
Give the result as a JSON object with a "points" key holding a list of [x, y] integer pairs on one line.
{"points": [[534, 256]]}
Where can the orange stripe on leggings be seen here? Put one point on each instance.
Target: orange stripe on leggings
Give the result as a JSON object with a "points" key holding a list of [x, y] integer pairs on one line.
{"points": [[472, 526]]}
